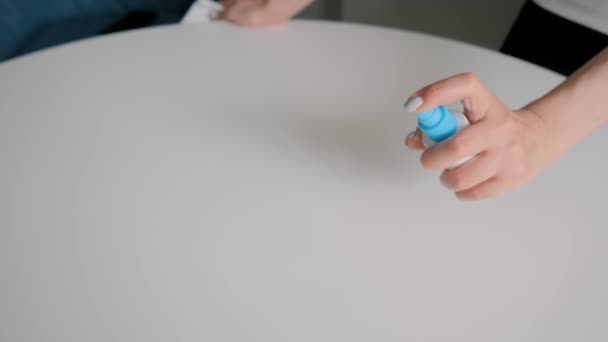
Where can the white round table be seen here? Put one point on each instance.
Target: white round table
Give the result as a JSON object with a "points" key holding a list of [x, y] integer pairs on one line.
{"points": [[212, 183]]}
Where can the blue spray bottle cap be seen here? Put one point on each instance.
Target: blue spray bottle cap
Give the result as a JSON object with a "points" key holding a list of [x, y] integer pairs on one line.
{"points": [[438, 124]]}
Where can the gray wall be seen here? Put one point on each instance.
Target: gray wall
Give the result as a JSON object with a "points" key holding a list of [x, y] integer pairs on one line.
{"points": [[481, 22], [324, 9]]}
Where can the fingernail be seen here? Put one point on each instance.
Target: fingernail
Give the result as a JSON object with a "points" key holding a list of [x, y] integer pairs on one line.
{"points": [[444, 184], [412, 104], [409, 136]]}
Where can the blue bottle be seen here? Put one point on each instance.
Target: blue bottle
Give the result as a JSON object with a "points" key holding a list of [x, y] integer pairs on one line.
{"points": [[439, 124]]}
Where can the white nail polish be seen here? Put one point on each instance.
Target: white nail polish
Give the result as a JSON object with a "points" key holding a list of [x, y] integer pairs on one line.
{"points": [[412, 104], [410, 135]]}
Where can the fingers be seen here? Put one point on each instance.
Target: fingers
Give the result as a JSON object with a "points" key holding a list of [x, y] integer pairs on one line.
{"points": [[414, 140], [476, 171], [462, 87], [477, 178], [259, 13], [245, 13], [486, 190], [470, 141], [508, 147]]}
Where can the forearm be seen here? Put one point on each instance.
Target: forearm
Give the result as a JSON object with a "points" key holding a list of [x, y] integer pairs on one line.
{"points": [[578, 106]]}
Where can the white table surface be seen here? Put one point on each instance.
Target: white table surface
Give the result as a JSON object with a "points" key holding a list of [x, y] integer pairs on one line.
{"points": [[211, 183]]}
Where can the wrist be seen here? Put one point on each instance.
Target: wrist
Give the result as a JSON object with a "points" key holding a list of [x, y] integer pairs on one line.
{"points": [[578, 106], [563, 126], [548, 144]]}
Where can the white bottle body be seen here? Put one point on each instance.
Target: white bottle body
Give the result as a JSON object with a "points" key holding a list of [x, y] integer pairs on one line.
{"points": [[462, 122]]}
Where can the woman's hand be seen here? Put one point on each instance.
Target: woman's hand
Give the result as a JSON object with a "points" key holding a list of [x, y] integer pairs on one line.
{"points": [[261, 12], [510, 147]]}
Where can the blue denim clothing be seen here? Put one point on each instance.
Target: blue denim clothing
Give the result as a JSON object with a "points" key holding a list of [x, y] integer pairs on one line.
{"points": [[30, 25]]}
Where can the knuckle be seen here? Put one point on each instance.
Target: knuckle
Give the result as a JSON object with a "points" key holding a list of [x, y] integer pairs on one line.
{"points": [[432, 90], [512, 134], [471, 80], [515, 147]]}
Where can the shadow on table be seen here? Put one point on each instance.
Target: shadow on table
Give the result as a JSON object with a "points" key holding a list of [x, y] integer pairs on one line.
{"points": [[360, 145]]}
